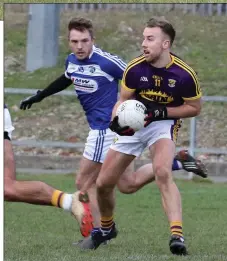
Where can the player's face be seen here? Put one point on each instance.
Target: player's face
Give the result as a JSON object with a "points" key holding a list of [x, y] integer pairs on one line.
{"points": [[80, 43], [154, 43]]}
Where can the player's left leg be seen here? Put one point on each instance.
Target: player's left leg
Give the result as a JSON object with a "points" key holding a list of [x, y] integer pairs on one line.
{"points": [[132, 181], [162, 154]]}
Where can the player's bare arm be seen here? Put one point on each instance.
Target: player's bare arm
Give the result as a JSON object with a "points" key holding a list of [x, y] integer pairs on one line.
{"points": [[190, 108]]}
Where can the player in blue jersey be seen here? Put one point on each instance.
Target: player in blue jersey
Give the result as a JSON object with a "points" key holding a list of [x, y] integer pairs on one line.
{"points": [[95, 75], [33, 192], [170, 90]]}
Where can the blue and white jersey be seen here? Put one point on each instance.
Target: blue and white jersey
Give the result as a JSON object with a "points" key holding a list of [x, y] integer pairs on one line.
{"points": [[95, 80]]}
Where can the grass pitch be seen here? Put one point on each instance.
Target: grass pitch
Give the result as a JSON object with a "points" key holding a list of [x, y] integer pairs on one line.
{"points": [[41, 233]]}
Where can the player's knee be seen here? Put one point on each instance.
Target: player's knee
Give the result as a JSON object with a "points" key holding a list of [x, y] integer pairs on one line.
{"points": [[103, 185], [162, 174], [9, 191], [100, 184]]}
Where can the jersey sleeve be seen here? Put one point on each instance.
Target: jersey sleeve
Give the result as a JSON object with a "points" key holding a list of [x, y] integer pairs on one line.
{"points": [[66, 68], [69, 68], [115, 66], [128, 80], [191, 87]]}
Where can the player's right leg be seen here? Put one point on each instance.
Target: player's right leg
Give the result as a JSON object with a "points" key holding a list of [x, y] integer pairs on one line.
{"points": [[96, 147], [119, 157], [112, 168], [85, 183]]}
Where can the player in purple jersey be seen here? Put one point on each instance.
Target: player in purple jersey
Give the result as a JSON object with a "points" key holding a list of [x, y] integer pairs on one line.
{"points": [[170, 90], [95, 75], [33, 192]]}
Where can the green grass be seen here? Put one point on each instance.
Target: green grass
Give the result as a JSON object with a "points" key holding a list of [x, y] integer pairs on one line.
{"points": [[44, 233]]}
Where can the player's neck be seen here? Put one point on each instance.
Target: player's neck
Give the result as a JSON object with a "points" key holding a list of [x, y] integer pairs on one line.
{"points": [[163, 61]]}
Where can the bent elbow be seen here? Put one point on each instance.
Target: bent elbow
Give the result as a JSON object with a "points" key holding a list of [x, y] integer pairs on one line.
{"points": [[197, 111]]}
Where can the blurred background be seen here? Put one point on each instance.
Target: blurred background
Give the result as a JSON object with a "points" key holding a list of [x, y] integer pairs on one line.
{"points": [[49, 138]]}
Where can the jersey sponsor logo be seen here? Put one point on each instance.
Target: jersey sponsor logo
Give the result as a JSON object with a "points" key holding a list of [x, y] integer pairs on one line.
{"points": [[171, 83], [85, 84], [160, 97]]}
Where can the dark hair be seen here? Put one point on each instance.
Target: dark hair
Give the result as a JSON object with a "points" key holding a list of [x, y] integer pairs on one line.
{"points": [[81, 24], [165, 26]]}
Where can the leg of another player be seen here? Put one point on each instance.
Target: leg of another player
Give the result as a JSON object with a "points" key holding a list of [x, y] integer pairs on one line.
{"points": [[132, 181], [33, 192], [162, 155], [86, 182]]}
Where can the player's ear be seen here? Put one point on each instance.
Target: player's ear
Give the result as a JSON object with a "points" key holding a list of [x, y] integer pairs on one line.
{"points": [[166, 44]]}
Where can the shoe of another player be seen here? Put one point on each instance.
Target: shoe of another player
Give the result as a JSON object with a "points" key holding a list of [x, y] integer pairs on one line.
{"points": [[98, 237], [177, 245], [82, 212], [191, 164]]}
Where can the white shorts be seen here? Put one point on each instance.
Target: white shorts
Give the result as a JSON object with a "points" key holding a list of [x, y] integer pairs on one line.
{"points": [[135, 145], [8, 127], [98, 143]]}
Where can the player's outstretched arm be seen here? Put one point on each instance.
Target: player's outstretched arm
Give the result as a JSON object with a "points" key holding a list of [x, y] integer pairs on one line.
{"points": [[56, 86]]}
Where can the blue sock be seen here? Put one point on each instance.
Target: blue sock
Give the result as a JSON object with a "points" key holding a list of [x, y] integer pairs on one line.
{"points": [[176, 165]]}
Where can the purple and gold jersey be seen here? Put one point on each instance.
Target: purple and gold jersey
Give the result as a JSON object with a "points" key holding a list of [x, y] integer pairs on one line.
{"points": [[169, 86]]}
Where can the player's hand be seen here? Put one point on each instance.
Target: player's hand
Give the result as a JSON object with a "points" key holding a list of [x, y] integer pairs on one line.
{"points": [[27, 102], [122, 131], [155, 114]]}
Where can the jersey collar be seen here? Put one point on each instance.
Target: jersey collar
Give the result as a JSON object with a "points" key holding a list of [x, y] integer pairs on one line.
{"points": [[90, 55]]}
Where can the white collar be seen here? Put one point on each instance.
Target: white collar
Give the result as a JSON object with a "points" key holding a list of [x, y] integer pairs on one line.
{"points": [[90, 55]]}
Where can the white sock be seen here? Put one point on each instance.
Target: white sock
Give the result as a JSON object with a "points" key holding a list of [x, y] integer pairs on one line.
{"points": [[67, 202]]}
